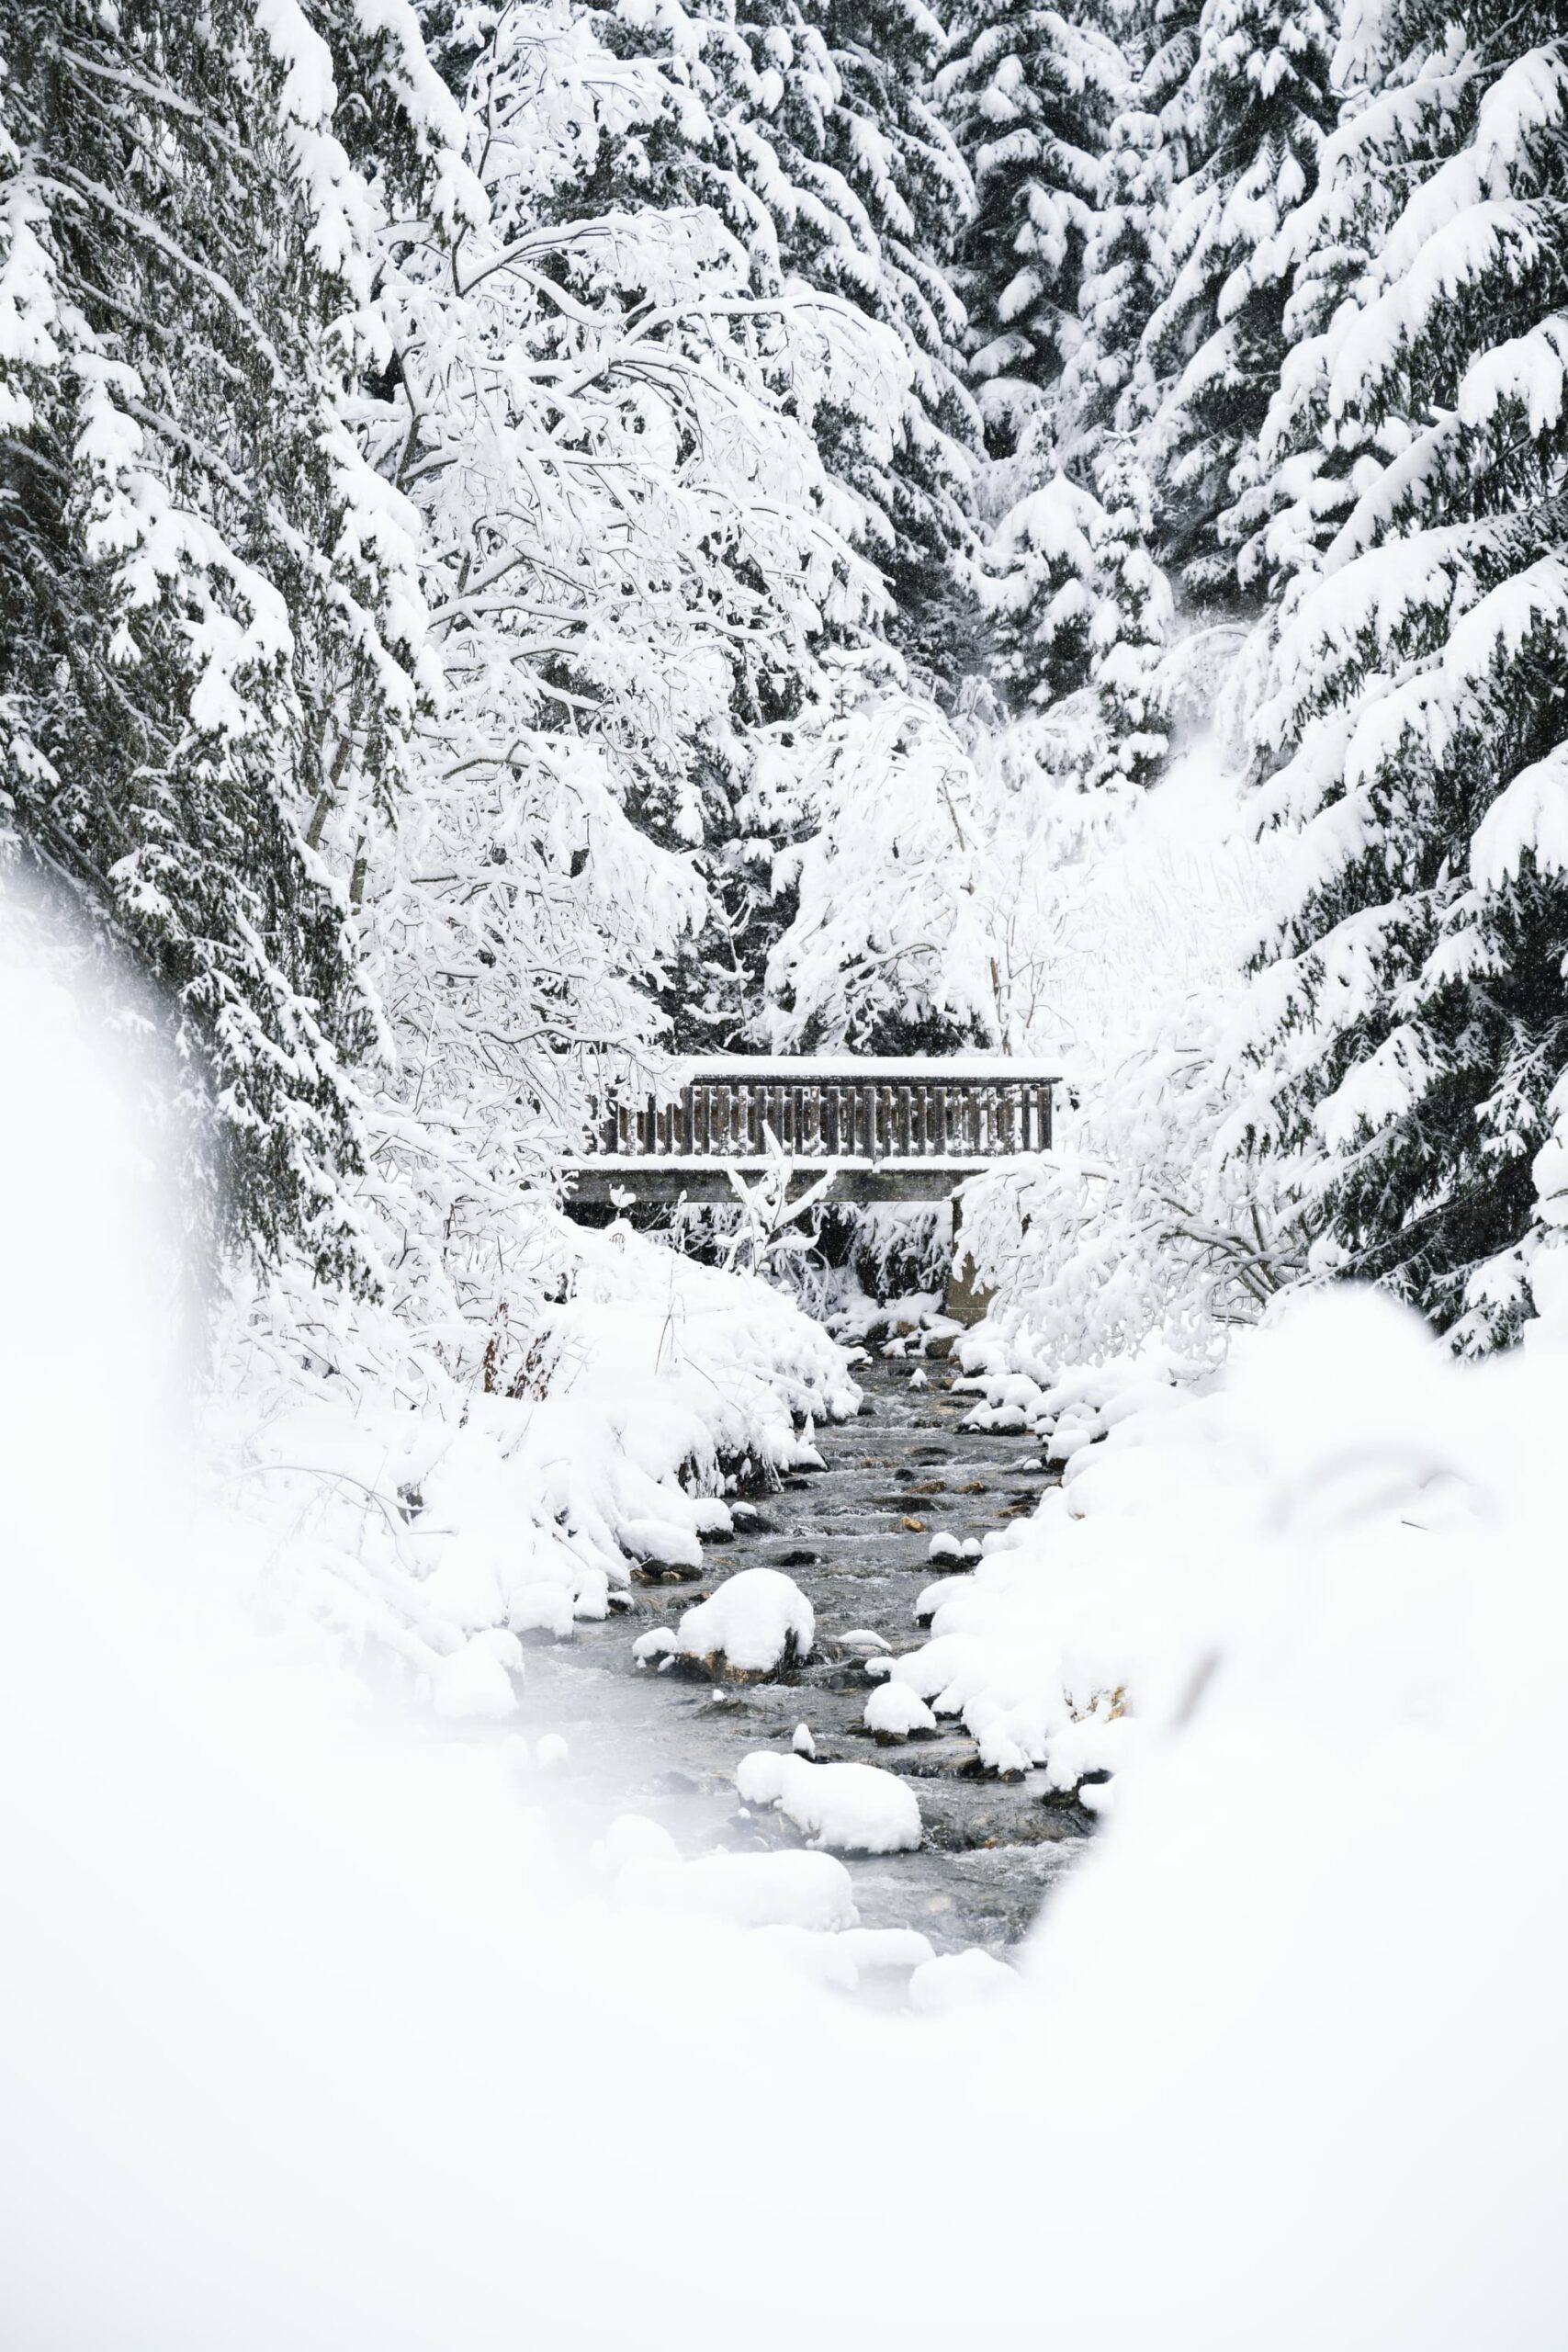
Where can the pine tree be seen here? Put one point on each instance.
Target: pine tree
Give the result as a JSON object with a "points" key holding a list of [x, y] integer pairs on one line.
{"points": [[1026, 91], [1099, 416], [1131, 621], [901, 165], [1253, 113], [211, 629], [1078, 604], [1413, 1018], [1041, 590], [1102, 388], [1294, 490]]}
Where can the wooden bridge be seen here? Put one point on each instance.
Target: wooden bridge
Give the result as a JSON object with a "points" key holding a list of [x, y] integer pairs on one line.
{"points": [[885, 1130]]}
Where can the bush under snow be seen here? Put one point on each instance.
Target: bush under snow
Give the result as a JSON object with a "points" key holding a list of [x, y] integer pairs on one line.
{"points": [[1126, 1256]]}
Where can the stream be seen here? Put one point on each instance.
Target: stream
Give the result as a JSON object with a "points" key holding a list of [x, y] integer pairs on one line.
{"points": [[856, 1536]]}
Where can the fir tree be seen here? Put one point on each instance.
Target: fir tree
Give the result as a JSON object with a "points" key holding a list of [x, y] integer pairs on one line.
{"points": [[1252, 113], [1041, 592], [1414, 1018], [1130, 625], [902, 167], [1102, 388], [1077, 603], [211, 629], [1026, 91], [1098, 417]]}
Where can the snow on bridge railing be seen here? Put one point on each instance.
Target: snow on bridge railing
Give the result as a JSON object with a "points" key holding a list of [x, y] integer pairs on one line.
{"points": [[953, 1107]]}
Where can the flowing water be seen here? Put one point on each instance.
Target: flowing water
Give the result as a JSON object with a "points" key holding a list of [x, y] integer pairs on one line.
{"points": [[856, 1537]]}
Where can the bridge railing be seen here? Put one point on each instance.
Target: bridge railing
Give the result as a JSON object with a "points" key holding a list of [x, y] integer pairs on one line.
{"points": [[954, 1109]]}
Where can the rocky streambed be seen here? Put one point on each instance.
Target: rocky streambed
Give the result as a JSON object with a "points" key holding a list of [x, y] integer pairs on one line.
{"points": [[856, 1536]]}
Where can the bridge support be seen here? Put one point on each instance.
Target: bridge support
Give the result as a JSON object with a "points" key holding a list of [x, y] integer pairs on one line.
{"points": [[967, 1300]]}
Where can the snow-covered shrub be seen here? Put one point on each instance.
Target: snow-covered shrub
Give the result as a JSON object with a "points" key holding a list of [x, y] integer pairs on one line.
{"points": [[1140, 1244], [887, 945], [1132, 1248], [437, 1498], [854, 1264]]}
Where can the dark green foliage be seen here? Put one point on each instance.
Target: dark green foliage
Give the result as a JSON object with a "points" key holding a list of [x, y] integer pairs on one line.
{"points": [[1027, 90], [1252, 117], [1420, 1029], [195, 653]]}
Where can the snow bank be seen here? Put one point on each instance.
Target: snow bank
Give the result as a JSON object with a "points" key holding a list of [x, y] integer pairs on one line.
{"points": [[422, 1510], [1087, 1630], [481, 1679], [852, 1808], [757, 1619], [845, 1960]]}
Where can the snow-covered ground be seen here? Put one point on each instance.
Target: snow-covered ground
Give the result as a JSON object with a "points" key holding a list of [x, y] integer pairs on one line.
{"points": [[325, 2043]]}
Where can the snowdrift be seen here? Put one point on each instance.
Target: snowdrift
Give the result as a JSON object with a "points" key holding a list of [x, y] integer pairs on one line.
{"points": [[439, 1526]]}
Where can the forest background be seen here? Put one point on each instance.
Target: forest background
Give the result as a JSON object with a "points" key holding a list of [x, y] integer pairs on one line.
{"points": [[536, 537]]}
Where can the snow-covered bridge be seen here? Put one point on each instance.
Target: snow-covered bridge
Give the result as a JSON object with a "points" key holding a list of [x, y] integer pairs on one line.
{"points": [[904, 1129]]}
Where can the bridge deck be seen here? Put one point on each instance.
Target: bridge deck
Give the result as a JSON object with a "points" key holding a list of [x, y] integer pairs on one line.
{"points": [[899, 1130]]}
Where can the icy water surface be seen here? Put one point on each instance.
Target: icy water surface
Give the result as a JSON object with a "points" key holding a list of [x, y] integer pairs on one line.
{"points": [[655, 1743]]}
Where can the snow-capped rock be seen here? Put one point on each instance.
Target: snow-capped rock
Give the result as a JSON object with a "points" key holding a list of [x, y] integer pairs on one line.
{"points": [[895, 1712], [756, 1621], [960, 1980], [851, 1808]]}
